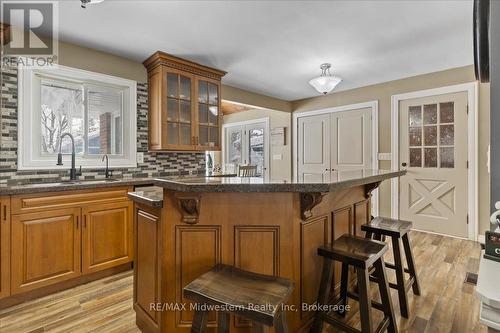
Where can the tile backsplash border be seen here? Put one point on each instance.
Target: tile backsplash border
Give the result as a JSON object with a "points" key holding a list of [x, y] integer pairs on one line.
{"points": [[156, 164]]}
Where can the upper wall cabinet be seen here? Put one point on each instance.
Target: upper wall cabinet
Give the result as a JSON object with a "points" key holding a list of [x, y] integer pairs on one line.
{"points": [[184, 104]]}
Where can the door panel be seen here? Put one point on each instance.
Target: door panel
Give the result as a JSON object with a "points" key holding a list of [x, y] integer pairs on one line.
{"points": [[433, 145], [314, 148], [45, 248], [351, 140], [107, 236]]}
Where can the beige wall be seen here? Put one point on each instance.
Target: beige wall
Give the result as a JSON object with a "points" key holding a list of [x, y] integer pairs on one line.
{"points": [[383, 92], [280, 169]]}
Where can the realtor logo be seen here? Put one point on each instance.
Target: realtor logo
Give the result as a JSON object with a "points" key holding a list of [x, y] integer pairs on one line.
{"points": [[32, 31]]}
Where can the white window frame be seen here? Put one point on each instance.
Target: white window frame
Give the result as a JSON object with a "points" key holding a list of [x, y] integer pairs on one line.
{"points": [[28, 129]]}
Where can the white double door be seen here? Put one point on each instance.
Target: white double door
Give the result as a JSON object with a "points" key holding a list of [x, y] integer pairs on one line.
{"points": [[333, 142], [247, 144]]}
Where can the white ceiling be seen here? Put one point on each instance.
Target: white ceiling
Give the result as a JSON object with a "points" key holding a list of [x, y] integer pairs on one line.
{"points": [[275, 47]]}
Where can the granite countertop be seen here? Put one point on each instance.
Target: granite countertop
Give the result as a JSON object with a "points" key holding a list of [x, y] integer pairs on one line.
{"points": [[151, 196], [340, 180], [71, 186]]}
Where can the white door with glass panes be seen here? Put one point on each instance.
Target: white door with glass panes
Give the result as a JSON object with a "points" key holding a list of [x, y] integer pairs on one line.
{"points": [[246, 144], [433, 149]]}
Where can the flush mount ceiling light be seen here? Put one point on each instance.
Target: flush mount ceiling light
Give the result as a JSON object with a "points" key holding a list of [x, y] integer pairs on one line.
{"points": [[325, 82], [89, 2]]}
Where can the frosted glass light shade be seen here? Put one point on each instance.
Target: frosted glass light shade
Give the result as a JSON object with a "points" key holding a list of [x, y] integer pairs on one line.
{"points": [[325, 83]]}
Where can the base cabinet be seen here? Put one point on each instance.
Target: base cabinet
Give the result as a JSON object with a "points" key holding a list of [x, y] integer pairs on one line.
{"points": [[4, 246], [106, 236], [52, 240], [45, 248]]}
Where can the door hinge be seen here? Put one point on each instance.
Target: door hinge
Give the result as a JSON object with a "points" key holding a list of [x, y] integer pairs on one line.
{"points": [[467, 108], [467, 164], [467, 218]]}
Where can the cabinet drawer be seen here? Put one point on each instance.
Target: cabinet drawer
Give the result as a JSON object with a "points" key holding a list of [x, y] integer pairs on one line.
{"points": [[56, 200]]}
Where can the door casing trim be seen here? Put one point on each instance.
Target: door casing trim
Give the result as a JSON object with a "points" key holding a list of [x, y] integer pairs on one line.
{"points": [[471, 88], [267, 146], [374, 123]]}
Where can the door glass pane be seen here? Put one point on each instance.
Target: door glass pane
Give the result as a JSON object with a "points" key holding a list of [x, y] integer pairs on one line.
{"points": [[61, 111], [234, 145], [202, 92], [185, 111], [430, 157], [416, 157], [447, 112], [430, 135], [213, 115], [213, 96], [430, 114], [203, 113], [173, 133], [104, 122], [185, 134], [415, 136], [203, 133], [447, 157], [185, 88], [447, 135], [256, 149], [172, 85], [172, 109], [415, 115], [214, 136]]}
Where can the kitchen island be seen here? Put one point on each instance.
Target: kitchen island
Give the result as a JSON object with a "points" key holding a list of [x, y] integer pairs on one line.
{"points": [[185, 226]]}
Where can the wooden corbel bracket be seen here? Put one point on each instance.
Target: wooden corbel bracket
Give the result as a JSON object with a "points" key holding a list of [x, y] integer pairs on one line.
{"points": [[369, 188], [189, 207], [307, 202]]}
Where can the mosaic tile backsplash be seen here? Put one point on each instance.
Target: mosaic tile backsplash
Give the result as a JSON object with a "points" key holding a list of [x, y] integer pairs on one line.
{"points": [[155, 164]]}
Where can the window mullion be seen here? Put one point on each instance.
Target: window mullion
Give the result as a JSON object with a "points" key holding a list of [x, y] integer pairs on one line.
{"points": [[85, 121]]}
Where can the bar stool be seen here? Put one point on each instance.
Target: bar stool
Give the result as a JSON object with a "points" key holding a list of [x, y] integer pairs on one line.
{"points": [[361, 253], [379, 228], [256, 297]]}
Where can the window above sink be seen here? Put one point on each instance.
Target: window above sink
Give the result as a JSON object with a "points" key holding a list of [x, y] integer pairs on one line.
{"points": [[98, 110]]}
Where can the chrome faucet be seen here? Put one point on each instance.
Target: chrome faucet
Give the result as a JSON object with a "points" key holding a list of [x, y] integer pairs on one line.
{"points": [[72, 172], [108, 172]]}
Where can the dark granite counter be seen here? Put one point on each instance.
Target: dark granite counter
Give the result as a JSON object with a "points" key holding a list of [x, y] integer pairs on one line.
{"points": [[339, 180], [151, 196], [72, 186]]}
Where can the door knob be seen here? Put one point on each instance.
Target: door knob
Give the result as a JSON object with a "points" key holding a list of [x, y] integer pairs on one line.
{"points": [[403, 164]]}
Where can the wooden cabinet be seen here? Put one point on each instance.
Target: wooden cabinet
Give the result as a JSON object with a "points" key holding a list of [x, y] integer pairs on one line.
{"points": [[184, 104], [4, 246], [45, 248], [106, 236], [61, 236]]}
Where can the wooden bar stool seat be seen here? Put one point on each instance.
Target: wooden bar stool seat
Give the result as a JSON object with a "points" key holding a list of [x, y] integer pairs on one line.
{"points": [[379, 228], [362, 254], [256, 297]]}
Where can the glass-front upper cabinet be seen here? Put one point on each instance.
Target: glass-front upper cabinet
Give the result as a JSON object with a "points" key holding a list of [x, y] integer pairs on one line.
{"points": [[179, 110], [209, 117], [184, 104]]}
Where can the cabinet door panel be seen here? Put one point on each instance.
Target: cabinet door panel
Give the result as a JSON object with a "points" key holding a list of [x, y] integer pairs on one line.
{"points": [[107, 236], [4, 246], [45, 248]]}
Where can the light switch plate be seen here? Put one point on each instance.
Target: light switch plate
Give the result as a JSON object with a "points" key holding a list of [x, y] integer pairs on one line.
{"points": [[140, 157], [277, 157], [384, 156]]}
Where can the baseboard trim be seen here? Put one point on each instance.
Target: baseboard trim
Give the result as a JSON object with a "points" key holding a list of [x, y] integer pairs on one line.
{"points": [[480, 239]]}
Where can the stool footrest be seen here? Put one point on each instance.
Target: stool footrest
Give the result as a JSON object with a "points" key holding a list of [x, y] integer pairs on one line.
{"points": [[408, 283], [392, 266], [383, 325], [375, 304]]}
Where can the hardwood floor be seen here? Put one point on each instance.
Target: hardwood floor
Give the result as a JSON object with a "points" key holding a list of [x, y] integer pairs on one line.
{"points": [[447, 304]]}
